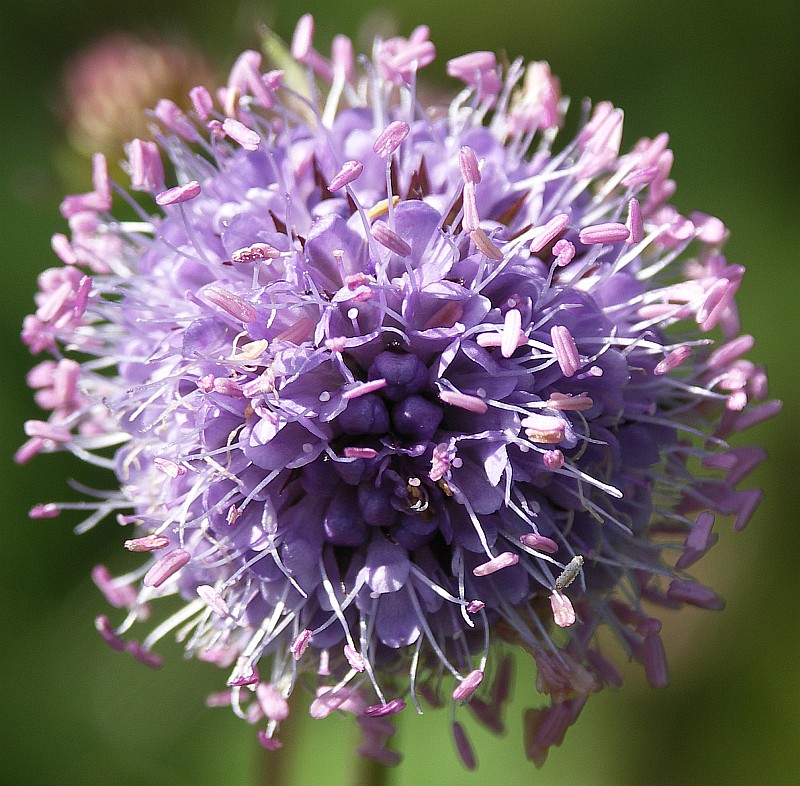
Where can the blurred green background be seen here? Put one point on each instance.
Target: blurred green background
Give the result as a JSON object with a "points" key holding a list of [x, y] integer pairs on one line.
{"points": [[722, 78]]}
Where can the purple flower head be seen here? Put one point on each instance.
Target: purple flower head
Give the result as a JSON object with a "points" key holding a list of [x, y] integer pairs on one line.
{"points": [[385, 388]]}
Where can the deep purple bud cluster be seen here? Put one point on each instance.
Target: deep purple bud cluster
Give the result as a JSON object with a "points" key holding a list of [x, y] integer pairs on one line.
{"points": [[389, 391]]}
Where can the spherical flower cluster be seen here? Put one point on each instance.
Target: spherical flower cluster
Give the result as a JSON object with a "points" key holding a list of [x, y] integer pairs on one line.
{"points": [[391, 391]]}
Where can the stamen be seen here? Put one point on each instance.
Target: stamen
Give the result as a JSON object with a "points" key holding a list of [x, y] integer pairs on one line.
{"points": [[549, 232], [592, 371], [255, 253], [383, 710], [748, 501], [603, 233], [244, 680], [564, 252], [485, 246], [736, 462], [147, 170], [635, 224], [468, 685], [227, 387], [220, 698], [490, 338], [547, 429], [381, 208], [400, 58], [468, 163], [699, 540], [566, 402], [119, 595], [298, 332], [300, 643], [213, 600], [302, 38], [464, 401], [354, 658], [364, 388], [151, 659], [391, 138], [570, 573], [202, 102], [330, 699], [655, 661], [350, 171], [504, 560], [105, 629], [250, 351], [267, 742], [563, 611], [174, 120], [511, 333], [471, 220], [695, 595], [342, 57], [446, 317], [727, 353], [240, 133], [60, 244], [640, 177], [82, 297], [245, 79], [272, 702], [672, 360], [178, 194], [463, 746], [390, 239], [147, 543], [44, 430], [710, 229], [233, 304], [169, 468], [553, 459], [716, 301], [565, 349], [100, 179], [166, 567], [364, 453], [538, 542]]}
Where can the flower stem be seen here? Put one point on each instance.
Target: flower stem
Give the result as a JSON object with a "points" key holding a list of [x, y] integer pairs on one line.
{"points": [[273, 768], [368, 772]]}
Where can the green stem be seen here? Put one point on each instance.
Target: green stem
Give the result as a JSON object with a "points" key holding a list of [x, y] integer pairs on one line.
{"points": [[369, 772], [275, 767]]}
